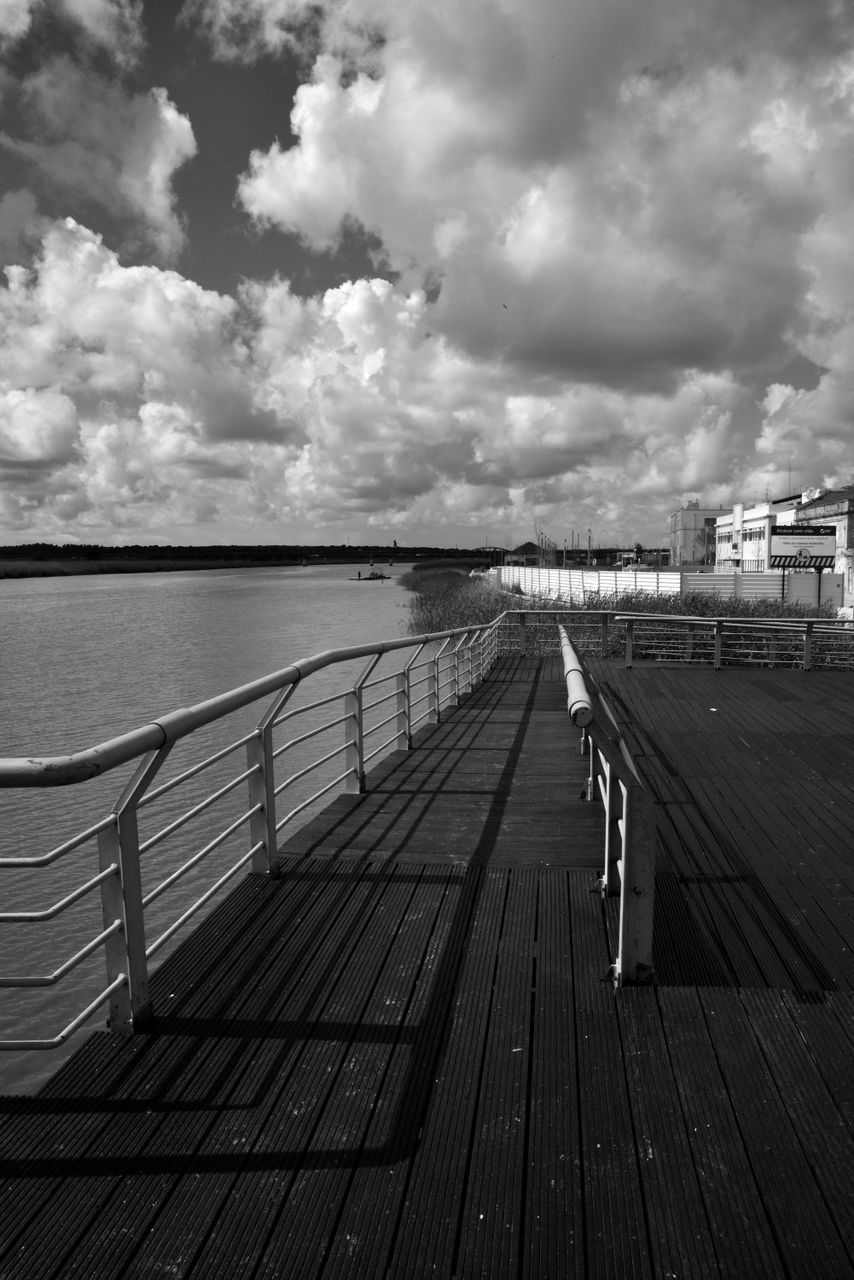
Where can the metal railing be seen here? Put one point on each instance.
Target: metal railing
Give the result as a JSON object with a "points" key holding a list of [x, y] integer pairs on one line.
{"points": [[805, 643], [294, 755], [629, 820], [348, 730]]}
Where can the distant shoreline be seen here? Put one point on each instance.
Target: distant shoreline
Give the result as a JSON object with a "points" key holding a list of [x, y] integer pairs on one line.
{"points": [[81, 568], [58, 562]]}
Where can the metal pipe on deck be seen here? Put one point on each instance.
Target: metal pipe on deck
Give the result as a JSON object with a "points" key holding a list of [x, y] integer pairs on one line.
{"points": [[577, 698]]}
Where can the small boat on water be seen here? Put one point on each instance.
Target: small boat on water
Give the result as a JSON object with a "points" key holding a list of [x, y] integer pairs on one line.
{"points": [[373, 576]]}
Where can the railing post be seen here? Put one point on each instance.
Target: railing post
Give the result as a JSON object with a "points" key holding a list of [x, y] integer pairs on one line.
{"points": [[433, 690], [630, 632], [719, 637], [808, 646], [437, 679], [402, 726], [355, 720], [262, 823], [113, 908], [354, 753], [118, 845], [262, 787], [604, 636], [455, 681], [609, 881], [408, 674], [613, 852], [523, 635], [634, 963], [689, 643]]}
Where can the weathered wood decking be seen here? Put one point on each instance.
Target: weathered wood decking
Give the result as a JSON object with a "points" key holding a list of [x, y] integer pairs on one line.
{"points": [[400, 1058]]}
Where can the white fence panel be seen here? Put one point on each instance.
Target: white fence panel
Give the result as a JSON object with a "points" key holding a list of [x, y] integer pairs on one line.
{"points": [[577, 586]]}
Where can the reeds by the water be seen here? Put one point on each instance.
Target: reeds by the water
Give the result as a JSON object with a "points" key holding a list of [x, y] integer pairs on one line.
{"points": [[446, 597]]}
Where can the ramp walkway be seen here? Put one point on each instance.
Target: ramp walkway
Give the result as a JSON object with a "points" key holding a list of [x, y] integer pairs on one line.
{"points": [[400, 1057]]}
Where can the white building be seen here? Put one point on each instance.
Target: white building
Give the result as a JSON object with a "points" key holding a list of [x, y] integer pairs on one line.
{"points": [[836, 507], [743, 535], [692, 534]]}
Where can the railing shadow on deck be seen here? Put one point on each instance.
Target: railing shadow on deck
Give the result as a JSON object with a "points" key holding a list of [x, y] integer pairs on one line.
{"points": [[424, 1043]]}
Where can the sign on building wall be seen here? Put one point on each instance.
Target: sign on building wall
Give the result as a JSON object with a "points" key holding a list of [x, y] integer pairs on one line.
{"points": [[803, 546]]}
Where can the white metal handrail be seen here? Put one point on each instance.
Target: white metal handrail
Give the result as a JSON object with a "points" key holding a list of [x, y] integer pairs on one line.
{"points": [[439, 669], [630, 834]]}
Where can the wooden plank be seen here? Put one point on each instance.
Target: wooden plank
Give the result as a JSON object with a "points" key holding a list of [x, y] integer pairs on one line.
{"points": [[682, 1243], [427, 1233], [616, 1242], [145, 1148], [68, 1120], [553, 1239], [277, 1107], [308, 1226], [744, 1240], [806, 1233], [491, 1218], [826, 1142], [366, 1228]]}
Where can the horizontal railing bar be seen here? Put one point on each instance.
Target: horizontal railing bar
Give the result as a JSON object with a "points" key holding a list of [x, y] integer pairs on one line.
{"points": [[383, 679], [200, 902], [371, 706], [68, 1031], [45, 859], [181, 871], [67, 770], [50, 979], [833, 625], [50, 913], [312, 733], [207, 803], [414, 681], [371, 755], [156, 792], [310, 768], [292, 712], [381, 724], [311, 799]]}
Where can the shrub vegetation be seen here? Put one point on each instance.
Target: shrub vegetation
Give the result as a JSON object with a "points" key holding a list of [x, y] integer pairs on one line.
{"points": [[445, 597]]}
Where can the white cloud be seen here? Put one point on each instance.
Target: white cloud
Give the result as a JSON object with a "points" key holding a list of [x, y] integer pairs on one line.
{"points": [[115, 25], [139, 395], [614, 230], [92, 138], [15, 17], [36, 427]]}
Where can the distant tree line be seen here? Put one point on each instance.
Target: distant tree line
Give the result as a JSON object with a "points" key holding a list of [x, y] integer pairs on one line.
{"points": [[263, 554]]}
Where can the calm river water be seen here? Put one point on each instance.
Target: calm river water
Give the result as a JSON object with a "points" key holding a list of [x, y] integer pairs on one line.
{"points": [[86, 658]]}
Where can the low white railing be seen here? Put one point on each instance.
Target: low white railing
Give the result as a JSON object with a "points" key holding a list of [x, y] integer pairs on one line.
{"points": [[805, 643], [375, 714], [630, 832]]}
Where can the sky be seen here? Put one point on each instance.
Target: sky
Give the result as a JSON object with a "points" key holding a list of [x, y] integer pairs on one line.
{"points": [[446, 272]]}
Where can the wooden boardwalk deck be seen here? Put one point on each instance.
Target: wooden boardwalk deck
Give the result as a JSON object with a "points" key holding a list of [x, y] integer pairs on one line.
{"points": [[400, 1058]]}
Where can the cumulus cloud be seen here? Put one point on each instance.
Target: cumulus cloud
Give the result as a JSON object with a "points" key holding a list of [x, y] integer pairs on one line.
{"points": [[90, 137], [15, 17], [114, 25], [138, 388], [612, 232], [555, 223]]}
